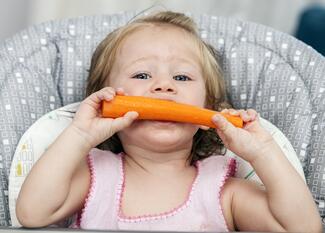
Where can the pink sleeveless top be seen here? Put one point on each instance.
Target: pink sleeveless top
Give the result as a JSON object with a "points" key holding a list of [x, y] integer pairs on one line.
{"points": [[201, 211]]}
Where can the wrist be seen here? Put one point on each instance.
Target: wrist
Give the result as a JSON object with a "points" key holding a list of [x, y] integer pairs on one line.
{"points": [[82, 138], [264, 145], [267, 154]]}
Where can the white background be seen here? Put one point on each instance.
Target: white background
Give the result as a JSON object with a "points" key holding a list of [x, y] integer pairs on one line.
{"points": [[282, 15]]}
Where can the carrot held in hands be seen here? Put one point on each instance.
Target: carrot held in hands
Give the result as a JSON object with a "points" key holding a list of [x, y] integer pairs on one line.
{"points": [[163, 110]]}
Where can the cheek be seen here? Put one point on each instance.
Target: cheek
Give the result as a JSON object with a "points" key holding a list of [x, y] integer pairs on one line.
{"points": [[203, 98], [130, 86], [121, 83], [197, 96]]}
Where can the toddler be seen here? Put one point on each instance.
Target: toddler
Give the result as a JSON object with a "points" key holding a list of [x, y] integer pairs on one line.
{"points": [[158, 175]]}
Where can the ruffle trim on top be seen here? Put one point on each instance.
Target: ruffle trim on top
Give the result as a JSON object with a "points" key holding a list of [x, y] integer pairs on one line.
{"points": [[164, 215], [231, 168], [91, 191]]}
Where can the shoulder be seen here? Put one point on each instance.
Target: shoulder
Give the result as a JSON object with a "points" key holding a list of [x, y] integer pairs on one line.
{"points": [[239, 189], [241, 198], [236, 189], [235, 184], [226, 199]]}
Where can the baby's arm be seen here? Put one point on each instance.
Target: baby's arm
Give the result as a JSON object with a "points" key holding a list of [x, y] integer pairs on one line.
{"points": [[58, 183], [285, 204]]}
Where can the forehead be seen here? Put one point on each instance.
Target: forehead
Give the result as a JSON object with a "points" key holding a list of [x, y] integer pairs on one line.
{"points": [[165, 41]]}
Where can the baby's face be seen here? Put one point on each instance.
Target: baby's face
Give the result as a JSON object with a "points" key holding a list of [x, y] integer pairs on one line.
{"points": [[160, 62]]}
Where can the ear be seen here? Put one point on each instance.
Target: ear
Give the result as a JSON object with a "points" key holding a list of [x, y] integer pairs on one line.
{"points": [[203, 127]]}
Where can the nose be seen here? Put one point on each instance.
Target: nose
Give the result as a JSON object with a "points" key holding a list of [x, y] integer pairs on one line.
{"points": [[164, 86]]}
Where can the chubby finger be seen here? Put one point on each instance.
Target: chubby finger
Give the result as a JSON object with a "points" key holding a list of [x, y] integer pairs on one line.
{"points": [[244, 115], [223, 125], [203, 127], [233, 112], [125, 121], [253, 114], [106, 93], [108, 90], [226, 110], [120, 91]]}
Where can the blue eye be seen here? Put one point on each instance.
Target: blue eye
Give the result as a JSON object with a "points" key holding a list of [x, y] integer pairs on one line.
{"points": [[141, 76], [182, 78]]}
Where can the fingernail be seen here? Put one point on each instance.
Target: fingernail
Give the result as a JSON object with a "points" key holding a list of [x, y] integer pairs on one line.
{"points": [[233, 112], [110, 97], [217, 118], [134, 114]]}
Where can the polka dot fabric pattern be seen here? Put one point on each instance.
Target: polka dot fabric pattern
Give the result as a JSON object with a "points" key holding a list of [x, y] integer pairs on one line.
{"points": [[45, 67]]}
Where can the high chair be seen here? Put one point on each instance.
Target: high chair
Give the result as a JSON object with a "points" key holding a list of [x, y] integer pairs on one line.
{"points": [[45, 67]]}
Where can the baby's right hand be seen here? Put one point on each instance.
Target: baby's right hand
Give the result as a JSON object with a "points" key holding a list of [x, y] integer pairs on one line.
{"points": [[91, 125]]}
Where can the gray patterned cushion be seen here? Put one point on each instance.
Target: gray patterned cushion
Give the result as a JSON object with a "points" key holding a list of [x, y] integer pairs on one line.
{"points": [[45, 67]]}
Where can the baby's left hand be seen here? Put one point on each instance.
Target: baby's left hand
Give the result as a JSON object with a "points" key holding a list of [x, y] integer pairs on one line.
{"points": [[248, 142]]}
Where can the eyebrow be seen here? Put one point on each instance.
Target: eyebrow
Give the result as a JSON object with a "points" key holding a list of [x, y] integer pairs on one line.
{"points": [[143, 59], [184, 60]]}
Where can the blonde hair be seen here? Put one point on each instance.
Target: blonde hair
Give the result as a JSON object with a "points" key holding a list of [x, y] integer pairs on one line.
{"points": [[205, 143]]}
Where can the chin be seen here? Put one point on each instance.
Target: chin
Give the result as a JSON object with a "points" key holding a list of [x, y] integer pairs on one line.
{"points": [[162, 138], [161, 134]]}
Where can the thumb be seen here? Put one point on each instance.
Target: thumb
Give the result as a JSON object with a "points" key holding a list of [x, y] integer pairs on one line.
{"points": [[121, 123], [223, 126]]}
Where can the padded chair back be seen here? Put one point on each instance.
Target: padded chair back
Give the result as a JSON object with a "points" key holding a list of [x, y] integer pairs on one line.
{"points": [[45, 67]]}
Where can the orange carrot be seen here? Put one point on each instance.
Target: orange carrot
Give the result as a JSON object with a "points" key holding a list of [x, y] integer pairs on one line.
{"points": [[163, 110]]}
